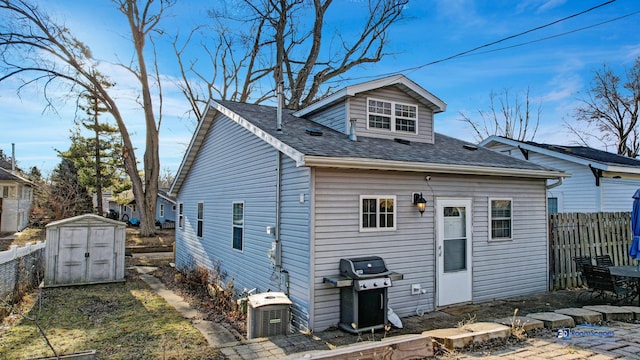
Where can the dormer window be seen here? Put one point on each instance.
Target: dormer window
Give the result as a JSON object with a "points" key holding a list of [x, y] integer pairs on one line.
{"points": [[392, 116]]}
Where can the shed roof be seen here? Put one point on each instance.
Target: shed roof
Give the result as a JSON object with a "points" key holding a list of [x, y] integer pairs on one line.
{"points": [[91, 218]]}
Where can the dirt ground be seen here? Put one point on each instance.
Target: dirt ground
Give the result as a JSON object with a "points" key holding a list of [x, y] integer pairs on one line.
{"points": [[448, 317]]}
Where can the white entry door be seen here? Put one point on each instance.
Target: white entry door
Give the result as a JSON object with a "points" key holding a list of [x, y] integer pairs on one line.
{"points": [[453, 251]]}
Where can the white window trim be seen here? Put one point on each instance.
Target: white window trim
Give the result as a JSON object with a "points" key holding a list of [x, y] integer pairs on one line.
{"points": [[161, 210], [392, 116], [199, 219], [378, 228], [233, 226], [180, 215], [490, 236]]}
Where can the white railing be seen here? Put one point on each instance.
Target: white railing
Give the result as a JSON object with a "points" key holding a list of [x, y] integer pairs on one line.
{"points": [[15, 252]]}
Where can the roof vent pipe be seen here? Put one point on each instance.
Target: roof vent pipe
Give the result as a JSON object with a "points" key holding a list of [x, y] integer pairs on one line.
{"points": [[352, 130], [13, 158], [279, 91]]}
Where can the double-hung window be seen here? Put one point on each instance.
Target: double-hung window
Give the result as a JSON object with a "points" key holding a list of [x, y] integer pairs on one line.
{"points": [[200, 219], [501, 219], [392, 116], [238, 225], [161, 210], [180, 215], [377, 212]]}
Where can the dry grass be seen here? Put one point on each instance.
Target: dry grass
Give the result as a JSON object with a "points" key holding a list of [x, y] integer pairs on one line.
{"points": [[28, 235], [107, 318], [162, 237], [32, 235]]}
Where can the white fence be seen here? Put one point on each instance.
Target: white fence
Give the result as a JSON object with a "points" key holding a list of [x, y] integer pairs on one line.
{"points": [[20, 266]]}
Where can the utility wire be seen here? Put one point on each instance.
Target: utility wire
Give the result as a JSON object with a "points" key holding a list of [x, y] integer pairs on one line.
{"points": [[554, 36], [467, 52]]}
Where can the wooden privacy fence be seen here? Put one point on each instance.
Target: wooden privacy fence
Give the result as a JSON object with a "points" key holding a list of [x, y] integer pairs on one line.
{"points": [[586, 234]]}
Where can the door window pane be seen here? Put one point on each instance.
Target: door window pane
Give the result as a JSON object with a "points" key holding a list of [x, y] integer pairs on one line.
{"points": [[455, 255]]}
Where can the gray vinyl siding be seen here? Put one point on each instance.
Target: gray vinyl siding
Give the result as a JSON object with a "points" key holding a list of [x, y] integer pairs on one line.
{"points": [[410, 249], [234, 165], [358, 110], [579, 192], [294, 234], [334, 117]]}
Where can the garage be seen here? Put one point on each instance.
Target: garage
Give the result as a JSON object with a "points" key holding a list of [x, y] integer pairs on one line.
{"points": [[85, 249]]}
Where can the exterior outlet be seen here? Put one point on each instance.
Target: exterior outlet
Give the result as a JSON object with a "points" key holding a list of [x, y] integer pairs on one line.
{"points": [[415, 289]]}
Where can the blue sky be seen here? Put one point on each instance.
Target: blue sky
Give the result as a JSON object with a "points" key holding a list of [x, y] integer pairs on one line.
{"points": [[557, 70]]}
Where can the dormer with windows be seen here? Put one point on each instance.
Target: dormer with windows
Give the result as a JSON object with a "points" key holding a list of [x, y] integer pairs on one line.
{"points": [[390, 108]]}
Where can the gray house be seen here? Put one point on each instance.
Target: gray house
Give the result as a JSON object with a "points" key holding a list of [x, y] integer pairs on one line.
{"points": [[278, 210], [600, 180]]}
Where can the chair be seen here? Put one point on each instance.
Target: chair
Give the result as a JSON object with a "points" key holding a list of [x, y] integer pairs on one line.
{"points": [[601, 282], [580, 262], [604, 260]]}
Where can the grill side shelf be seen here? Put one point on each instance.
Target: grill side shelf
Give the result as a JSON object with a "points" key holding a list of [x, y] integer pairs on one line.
{"points": [[338, 281], [394, 276]]}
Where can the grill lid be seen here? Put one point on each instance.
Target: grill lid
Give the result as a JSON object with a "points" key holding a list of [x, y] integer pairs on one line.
{"points": [[363, 267]]}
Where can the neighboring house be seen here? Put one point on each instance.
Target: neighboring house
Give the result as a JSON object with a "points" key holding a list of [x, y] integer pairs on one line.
{"points": [[16, 196], [165, 207], [338, 181], [599, 181]]}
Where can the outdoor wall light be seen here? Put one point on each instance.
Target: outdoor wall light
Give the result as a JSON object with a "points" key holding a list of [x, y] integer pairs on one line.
{"points": [[420, 202]]}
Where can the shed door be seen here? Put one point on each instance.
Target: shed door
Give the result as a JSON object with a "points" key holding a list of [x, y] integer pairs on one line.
{"points": [[101, 257], [72, 265], [454, 281]]}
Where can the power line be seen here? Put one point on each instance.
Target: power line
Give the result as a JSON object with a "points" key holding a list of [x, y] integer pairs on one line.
{"points": [[467, 52], [556, 35]]}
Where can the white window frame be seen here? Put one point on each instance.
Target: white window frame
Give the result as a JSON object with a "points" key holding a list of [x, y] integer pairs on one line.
{"points": [[234, 226], [378, 198], [491, 218], [200, 220], [392, 117], [161, 210], [180, 216]]}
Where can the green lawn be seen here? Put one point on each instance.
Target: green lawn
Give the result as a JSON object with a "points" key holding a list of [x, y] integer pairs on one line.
{"points": [[121, 321]]}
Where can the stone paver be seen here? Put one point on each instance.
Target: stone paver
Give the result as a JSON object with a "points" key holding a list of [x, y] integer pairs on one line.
{"points": [[611, 312], [635, 310], [526, 323], [553, 320], [581, 316]]}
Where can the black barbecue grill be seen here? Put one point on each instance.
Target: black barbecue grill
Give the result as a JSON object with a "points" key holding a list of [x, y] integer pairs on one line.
{"points": [[363, 284]]}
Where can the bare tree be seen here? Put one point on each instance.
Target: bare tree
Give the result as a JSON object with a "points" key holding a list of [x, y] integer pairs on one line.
{"points": [[511, 117], [611, 106], [34, 48], [285, 40]]}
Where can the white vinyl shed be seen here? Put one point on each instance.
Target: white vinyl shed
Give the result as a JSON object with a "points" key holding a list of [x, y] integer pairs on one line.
{"points": [[85, 249]]}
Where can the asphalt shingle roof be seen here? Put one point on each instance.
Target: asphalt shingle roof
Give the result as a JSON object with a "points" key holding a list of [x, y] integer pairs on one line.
{"points": [[8, 176], [589, 153], [445, 150]]}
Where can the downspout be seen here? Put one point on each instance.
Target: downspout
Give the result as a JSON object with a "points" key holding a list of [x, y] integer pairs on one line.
{"points": [[284, 275], [555, 184]]}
